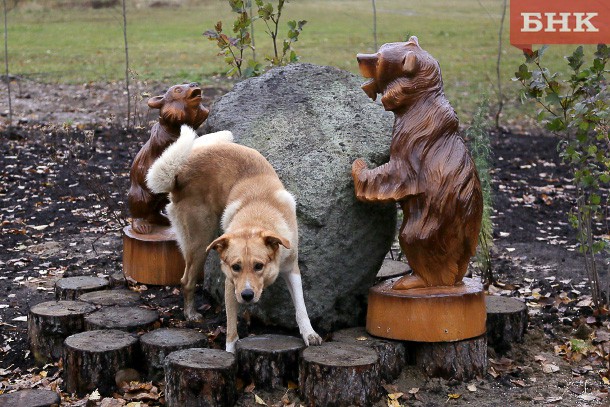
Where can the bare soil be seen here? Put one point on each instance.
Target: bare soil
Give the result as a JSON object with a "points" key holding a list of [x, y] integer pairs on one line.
{"points": [[64, 176]]}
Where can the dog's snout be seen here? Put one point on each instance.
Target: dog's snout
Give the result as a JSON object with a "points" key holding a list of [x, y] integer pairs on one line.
{"points": [[247, 295]]}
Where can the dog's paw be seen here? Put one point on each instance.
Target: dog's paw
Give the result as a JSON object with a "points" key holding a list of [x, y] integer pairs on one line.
{"points": [[193, 316], [230, 346], [312, 339]]}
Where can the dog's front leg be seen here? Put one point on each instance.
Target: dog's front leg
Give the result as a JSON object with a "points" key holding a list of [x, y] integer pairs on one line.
{"points": [[295, 287], [231, 306]]}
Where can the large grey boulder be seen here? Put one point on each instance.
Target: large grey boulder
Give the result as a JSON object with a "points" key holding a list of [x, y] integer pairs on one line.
{"points": [[311, 122]]}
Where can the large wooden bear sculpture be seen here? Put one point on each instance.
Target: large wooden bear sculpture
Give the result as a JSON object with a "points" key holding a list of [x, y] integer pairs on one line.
{"points": [[430, 171], [181, 104]]}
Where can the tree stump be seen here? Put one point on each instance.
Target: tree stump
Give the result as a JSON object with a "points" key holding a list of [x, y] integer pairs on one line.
{"points": [[93, 358], [339, 374], [200, 377], [431, 314], [506, 322], [392, 354], [117, 280], [130, 319], [269, 361], [70, 288], [154, 258], [111, 297], [459, 360], [50, 323], [157, 344], [30, 398]]}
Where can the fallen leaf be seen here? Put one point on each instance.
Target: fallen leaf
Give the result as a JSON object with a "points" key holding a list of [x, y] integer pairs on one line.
{"points": [[550, 368], [259, 400], [414, 390], [395, 396], [454, 396], [362, 338], [292, 385], [472, 387], [95, 396]]}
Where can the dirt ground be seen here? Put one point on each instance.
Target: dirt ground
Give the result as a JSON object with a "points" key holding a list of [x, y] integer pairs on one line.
{"points": [[64, 177]]}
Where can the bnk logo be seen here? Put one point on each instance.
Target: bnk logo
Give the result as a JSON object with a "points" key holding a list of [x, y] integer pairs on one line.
{"points": [[559, 22]]}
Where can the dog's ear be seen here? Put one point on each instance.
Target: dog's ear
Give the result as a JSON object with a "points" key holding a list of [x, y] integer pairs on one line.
{"points": [[274, 241], [156, 102], [220, 244]]}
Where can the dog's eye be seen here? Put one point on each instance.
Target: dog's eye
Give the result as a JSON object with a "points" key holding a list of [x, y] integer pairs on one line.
{"points": [[236, 267], [258, 266]]}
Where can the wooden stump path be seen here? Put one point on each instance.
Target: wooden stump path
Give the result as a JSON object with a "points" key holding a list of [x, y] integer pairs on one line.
{"points": [[130, 319], [158, 344], [107, 298], [50, 323], [339, 374], [392, 354], [506, 322], [200, 377], [269, 361], [93, 358], [70, 288], [30, 398], [460, 360]]}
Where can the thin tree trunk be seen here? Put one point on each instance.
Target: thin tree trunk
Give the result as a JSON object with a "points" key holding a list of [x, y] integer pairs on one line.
{"points": [[500, 94], [252, 33], [375, 24], [126, 63], [8, 79]]}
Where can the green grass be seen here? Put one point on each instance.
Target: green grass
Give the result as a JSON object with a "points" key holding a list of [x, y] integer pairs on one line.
{"points": [[75, 45]]}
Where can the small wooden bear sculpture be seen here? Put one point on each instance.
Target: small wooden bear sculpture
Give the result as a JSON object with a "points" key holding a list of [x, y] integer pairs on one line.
{"points": [[180, 105], [430, 171]]}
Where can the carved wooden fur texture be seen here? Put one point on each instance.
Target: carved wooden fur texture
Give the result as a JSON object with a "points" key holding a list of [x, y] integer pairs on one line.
{"points": [[430, 171], [180, 105]]}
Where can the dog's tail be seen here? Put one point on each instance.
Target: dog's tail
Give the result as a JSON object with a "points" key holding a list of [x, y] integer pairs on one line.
{"points": [[161, 177]]}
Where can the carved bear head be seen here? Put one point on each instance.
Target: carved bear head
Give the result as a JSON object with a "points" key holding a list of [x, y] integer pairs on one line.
{"points": [[180, 105], [400, 72]]}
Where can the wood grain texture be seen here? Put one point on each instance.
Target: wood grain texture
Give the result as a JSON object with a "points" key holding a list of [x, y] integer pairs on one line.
{"points": [[129, 319], [70, 288], [430, 172], [460, 360], [200, 377], [152, 258], [432, 314]]}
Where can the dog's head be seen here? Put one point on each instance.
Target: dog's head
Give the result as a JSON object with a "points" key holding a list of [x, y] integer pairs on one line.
{"points": [[399, 71], [249, 258], [181, 104]]}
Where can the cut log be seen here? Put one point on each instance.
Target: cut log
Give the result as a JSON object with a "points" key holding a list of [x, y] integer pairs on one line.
{"points": [[30, 398], [70, 288], [460, 360], [50, 323], [130, 319], [432, 314], [506, 322], [269, 361], [153, 258], [93, 358], [339, 374], [111, 297], [158, 344], [200, 377], [392, 354], [117, 280]]}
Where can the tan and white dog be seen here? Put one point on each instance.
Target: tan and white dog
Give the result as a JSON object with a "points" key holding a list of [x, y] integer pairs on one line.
{"points": [[212, 180]]}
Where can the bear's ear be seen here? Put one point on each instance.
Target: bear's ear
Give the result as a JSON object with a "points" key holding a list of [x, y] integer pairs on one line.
{"points": [[155, 102], [413, 40], [409, 63]]}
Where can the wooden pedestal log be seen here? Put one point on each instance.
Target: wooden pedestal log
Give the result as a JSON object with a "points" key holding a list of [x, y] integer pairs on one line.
{"points": [[339, 374], [506, 322], [392, 354], [269, 361], [200, 377], [70, 288], [158, 344], [154, 258], [433, 314], [111, 297], [93, 358], [30, 398], [130, 319], [460, 360], [50, 323]]}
